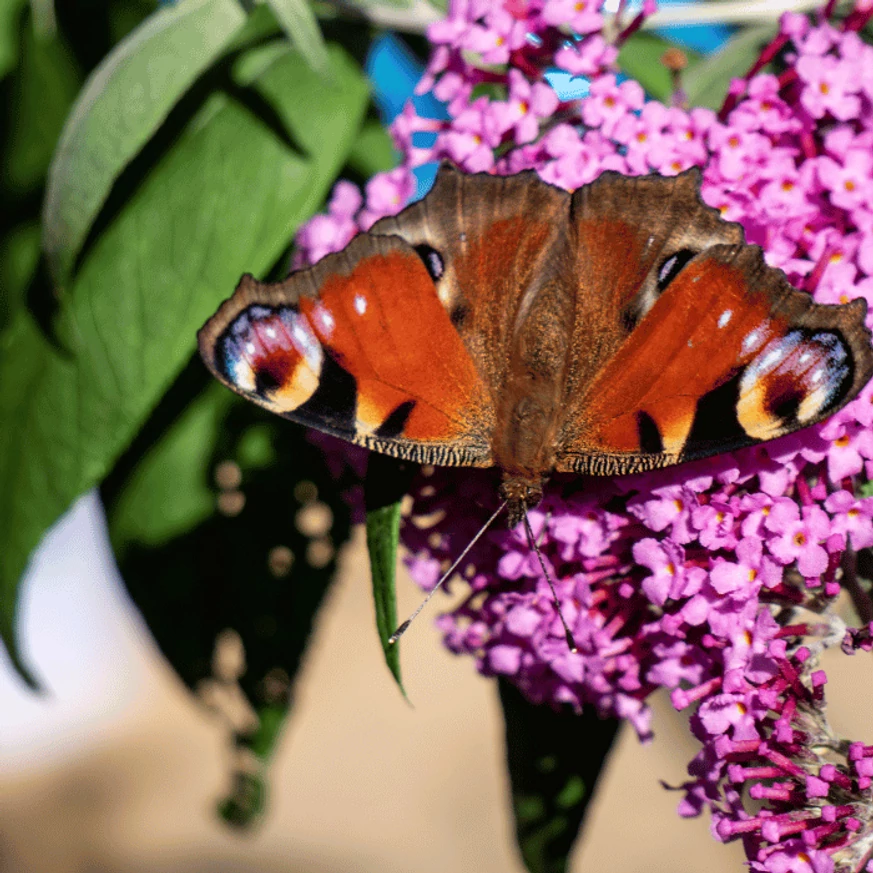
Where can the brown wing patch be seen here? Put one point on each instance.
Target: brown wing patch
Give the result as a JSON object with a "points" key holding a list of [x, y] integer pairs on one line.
{"points": [[631, 236], [499, 241]]}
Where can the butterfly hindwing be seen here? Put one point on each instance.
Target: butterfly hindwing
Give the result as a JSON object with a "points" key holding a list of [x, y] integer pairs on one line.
{"points": [[358, 346], [728, 355]]}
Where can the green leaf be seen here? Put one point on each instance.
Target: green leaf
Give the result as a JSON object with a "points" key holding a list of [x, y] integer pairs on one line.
{"points": [[255, 569], [123, 103], [19, 254], [321, 117], [640, 58], [707, 83], [299, 23], [555, 758], [43, 89], [225, 199], [10, 11], [373, 151], [168, 492], [387, 481]]}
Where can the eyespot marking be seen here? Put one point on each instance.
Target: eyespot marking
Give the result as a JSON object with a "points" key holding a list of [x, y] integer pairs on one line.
{"points": [[432, 260], [794, 380], [672, 266]]}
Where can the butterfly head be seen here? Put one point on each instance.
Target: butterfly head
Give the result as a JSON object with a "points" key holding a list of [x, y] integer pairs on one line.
{"points": [[520, 492]]}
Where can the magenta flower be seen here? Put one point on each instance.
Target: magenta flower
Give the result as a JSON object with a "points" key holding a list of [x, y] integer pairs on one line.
{"points": [[581, 16], [829, 88], [527, 105], [676, 579]]}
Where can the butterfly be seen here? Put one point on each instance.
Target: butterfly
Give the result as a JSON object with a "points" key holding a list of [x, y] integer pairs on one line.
{"points": [[501, 321]]}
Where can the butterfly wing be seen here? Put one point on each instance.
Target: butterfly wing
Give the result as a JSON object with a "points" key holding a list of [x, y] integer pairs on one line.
{"points": [[361, 347], [728, 355], [492, 243]]}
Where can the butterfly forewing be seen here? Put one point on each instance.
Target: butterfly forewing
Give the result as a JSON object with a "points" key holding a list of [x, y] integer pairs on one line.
{"points": [[361, 347], [729, 355], [495, 242]]}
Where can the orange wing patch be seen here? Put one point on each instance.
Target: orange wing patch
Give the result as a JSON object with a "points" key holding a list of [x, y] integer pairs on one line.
{"points": [[717, 364], [371, 355]]}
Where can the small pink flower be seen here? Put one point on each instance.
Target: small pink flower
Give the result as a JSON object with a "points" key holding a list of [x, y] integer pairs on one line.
{"points": [[830, 87], [581, 16], [853, 517], [387, 194], [848, 180], [588, 57], [527, 104], [609, 101]]}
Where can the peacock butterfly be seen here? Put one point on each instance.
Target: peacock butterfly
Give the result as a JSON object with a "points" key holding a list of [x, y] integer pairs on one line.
{"points": [[502, 321]]}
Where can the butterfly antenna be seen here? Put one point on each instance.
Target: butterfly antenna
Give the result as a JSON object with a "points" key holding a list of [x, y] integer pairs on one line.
{"points": [[402, 629], [571, 643]]}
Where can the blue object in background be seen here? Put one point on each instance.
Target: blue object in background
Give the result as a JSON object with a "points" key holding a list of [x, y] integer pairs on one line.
{"points": [[566, 85], [394, 72], [703, 38]]}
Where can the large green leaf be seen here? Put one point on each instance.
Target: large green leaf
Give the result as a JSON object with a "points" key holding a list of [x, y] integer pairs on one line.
{"points": [[707, 83], [224, 200], [10, 10], [19, 254], [555, 758], [373, 152], [123, 103], [43, 89], [256, 564], [168, 492]]}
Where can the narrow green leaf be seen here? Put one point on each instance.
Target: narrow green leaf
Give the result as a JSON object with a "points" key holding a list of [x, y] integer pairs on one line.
{"points": [[707, 83], [44, 87], [224, 200], [123, 103], [383, 536], [300, 25], [640, 58], [387, 481], [555, 758]]}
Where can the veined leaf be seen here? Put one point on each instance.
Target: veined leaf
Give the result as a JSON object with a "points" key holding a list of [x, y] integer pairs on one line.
{"points": [[224, 200], [123, 103]]}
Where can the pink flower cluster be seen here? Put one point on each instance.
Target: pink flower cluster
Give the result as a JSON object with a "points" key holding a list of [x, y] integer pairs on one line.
{"points": [[716, 580]]}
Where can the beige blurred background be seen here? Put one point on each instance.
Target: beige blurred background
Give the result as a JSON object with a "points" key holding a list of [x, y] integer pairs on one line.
{"points": [[124, 774]]}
